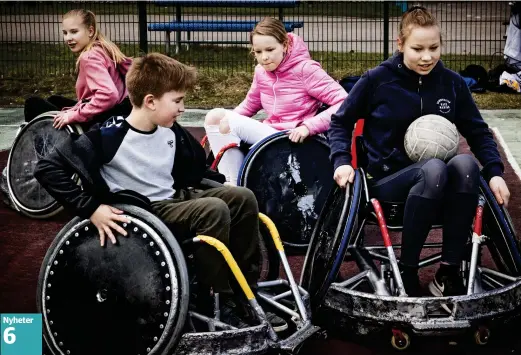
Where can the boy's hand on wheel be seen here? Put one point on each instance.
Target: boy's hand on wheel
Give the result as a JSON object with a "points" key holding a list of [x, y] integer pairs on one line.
{"points": [[343, 175], [105, 218]]}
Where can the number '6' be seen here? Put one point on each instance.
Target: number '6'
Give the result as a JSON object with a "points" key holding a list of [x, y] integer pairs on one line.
{"points": [[9, 338]]}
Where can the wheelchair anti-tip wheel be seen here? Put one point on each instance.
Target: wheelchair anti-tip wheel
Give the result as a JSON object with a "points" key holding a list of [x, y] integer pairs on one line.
{"points": [[34, 141], [127, 298], [400, 340], [482, 336]]}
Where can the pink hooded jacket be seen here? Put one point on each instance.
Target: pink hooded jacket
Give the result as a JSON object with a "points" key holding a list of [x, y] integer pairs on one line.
{"points": [[100, 85], [292, 93]]}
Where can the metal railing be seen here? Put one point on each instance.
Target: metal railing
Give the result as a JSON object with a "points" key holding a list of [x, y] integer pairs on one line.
{"points": [[346, 37]]}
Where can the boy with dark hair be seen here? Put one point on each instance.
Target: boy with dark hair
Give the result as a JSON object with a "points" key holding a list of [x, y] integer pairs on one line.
{"points": [[151, 154]]}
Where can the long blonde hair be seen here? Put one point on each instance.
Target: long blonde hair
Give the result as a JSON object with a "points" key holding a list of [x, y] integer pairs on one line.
{"points": [[89, 19]]}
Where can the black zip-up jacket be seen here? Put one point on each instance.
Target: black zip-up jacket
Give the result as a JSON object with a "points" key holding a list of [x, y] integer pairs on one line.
{"points": [[390, 97], [79, 155]]}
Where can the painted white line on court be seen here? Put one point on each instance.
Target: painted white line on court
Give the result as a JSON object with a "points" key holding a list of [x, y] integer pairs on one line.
{"points": [[9, 125], [508, 153], [196, 110]]}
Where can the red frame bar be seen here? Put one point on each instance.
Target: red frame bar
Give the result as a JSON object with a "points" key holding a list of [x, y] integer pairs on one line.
{"points": [[220, 154], [381, 222]]}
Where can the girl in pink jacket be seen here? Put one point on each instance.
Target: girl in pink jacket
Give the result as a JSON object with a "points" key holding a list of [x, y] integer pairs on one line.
{"points": [[100, 87], [287, 84]]}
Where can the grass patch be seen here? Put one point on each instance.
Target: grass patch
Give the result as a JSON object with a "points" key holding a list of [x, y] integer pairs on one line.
{"points": [[214, 89], [497, 101], [225, 74], [25, 60]]}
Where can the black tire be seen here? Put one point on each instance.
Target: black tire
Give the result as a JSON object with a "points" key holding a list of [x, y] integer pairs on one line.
{"points": [[269, 264], [333, 233], [128, 298], [35, 140], [502, 240]]}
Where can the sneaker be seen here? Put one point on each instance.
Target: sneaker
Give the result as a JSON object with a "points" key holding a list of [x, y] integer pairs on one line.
{"points": [[230, 314], [447, 282], [277, 323], [411, 280]]}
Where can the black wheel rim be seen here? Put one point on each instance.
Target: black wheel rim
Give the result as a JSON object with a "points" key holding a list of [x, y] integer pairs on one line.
{"points": [[37, 139], [121, 299]]}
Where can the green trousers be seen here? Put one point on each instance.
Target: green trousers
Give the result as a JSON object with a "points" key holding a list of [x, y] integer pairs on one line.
{"points": [[229, 214]]}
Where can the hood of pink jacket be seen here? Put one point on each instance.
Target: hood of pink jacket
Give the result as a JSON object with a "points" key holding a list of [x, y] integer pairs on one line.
{"points": [[292, 94], [297, 52]]}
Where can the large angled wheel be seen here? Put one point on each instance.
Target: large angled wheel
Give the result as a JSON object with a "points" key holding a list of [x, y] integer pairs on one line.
{"points": [[497, 226], [332, 235], [291, 182], [128, 298], [34, 141]]}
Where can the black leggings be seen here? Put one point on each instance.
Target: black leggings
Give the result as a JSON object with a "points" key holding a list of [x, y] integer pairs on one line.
{"points": [[428, 188], [35, 106]]}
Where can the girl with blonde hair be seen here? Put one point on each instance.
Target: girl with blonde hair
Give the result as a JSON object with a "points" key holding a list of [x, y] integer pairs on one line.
{"points": [[287, 84], [413, 83], [101, 68]]}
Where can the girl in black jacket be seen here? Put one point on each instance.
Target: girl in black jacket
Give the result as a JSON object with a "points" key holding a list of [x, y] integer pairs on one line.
{"points": [[390, 97]]}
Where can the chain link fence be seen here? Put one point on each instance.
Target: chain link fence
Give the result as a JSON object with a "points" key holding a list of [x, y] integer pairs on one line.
{"points": [[346, 37]]}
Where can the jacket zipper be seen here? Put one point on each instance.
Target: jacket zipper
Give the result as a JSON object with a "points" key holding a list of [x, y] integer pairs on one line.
{"points": [[275, 95], [419, 93]]}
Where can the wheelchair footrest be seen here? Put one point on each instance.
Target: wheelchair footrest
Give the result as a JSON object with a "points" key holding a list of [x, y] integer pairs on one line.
{"points": [[422, 314], [293, 342], [251, 340]]}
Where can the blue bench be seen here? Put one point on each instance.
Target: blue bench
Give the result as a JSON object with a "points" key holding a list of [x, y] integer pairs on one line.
{"points": [[231, 26], [229, 3], [179, 26]]}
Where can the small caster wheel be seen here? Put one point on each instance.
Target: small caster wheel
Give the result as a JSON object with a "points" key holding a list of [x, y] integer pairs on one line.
{"points": [[482, 336], [322, 335], [400, 340]]}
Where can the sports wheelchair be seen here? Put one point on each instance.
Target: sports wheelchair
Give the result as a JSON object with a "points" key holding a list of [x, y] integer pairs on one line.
{"points": [[134, 297], [354, 282], [290, 180]]}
